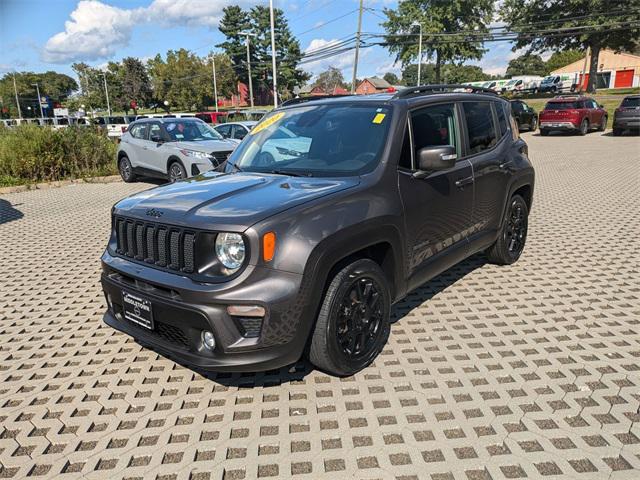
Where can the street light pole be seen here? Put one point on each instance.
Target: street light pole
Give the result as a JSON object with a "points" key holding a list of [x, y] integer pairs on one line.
{"points": [[273, 56], [15, 90], [215, 85], [39, 100], [247, 35], [355, 58], [419, 50], [106, 92]]}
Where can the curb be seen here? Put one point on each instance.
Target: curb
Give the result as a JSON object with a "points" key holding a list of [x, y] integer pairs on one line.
{"points": [[59, 183]]}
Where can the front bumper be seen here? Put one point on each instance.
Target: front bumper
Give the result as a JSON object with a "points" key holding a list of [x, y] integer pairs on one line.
{"points": [[552, 125], [183, 309]]}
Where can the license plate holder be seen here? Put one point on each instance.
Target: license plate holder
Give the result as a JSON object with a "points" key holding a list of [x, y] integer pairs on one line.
{"points": [[137, 310]]}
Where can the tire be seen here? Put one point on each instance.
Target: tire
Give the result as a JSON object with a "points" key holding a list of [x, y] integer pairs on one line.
{"points": [[617, 132], [513, 233], [584, 128], [534, 124], [126, 170], [603, 124], [176, 172], [544, 132], [353, 324]]}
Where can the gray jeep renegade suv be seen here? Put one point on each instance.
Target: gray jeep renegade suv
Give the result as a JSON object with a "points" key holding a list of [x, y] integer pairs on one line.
{"points": [[327, 213]]}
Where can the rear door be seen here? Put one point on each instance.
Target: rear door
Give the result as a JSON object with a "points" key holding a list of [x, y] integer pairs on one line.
{"points": [[437, 207], [486, 147], [135, 143]]}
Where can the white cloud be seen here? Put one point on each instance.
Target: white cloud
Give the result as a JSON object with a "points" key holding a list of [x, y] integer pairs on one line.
{"points": [[393, 66], [97, 30], [342, 62]]}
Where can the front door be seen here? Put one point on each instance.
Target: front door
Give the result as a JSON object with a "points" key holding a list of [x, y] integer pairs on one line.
{"points": [[437, 207], [154, 154]]}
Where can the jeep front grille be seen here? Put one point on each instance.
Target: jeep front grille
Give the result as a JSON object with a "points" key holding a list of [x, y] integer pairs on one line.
{"points": [[161, 245], [220, 157]]}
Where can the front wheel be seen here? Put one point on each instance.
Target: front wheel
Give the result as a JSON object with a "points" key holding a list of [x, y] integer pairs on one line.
{"points": [[617, 132], [513, 234], [353, 325], [584, 128], [176, 172]]}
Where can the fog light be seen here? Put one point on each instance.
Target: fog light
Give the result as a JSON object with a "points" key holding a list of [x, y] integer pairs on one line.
{"points": [[208, 340]]}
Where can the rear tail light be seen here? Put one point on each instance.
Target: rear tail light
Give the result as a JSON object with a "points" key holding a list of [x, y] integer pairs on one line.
{"points": [[124, 129]]}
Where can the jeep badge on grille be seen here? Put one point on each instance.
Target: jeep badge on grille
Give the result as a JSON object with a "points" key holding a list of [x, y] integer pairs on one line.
{"points": [[152, 212]]}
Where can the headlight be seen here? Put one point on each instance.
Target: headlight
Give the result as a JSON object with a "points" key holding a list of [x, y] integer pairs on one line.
{"points": [[195, 154], [230, 250]]}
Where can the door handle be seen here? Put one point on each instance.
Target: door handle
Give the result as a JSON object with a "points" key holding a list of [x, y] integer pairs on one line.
{"points": [[464, 181]]}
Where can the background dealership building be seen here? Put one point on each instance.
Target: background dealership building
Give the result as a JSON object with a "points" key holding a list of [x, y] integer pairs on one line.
{"points": [[615, 70]]}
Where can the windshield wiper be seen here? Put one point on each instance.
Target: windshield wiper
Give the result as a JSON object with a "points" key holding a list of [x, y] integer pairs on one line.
{"points": [[235, 167], [291, 173]]}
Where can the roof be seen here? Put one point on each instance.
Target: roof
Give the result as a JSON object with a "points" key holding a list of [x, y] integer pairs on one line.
{"points": [[245, 123], [378, 82], [607, 60]]}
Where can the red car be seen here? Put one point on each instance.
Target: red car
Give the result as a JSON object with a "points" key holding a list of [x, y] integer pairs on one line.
{"points": [[212, 117], [575, 114]]}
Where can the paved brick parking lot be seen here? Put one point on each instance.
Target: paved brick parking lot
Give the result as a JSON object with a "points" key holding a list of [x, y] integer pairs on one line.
{"points": [[526, 371]]}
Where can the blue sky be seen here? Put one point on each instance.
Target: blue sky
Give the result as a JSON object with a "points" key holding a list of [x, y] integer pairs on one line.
{"points": [[39, 35]]}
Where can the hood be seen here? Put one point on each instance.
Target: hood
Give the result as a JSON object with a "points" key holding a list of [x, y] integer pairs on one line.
{"points": [[206, 146], [227, 201]]}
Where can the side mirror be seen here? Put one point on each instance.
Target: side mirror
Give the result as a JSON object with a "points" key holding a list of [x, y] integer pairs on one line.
{"points": [[157, 139], [431, 159]]}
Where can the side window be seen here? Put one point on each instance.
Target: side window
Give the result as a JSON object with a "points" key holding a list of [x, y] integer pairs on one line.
{"points": [[139, 132], [155, 131], [502, 118], [592, 104], [480, 129], [405, 154], [239, 132], [224, 130], [434, 126]]}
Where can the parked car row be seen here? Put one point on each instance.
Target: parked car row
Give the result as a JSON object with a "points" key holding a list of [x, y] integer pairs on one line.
{"points": [[55, 122], [578, 114]]}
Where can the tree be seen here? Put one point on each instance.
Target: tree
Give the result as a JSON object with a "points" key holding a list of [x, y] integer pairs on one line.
{"points": [[136, 86], [603, 30], [53, 85], [257, 22], [329, 79], [560, 59], [391, 78], [451, 73], [527, 64], [441, 17]]}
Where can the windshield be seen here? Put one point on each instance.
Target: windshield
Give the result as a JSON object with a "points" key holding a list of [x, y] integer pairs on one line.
{"points": [[561, 106], [512, 82], [631, 102], [190, 131], [548, 79], [315, 140]]}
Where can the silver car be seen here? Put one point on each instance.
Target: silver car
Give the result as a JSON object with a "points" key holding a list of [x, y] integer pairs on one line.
{"points": [[171, 148], [235, 130]]}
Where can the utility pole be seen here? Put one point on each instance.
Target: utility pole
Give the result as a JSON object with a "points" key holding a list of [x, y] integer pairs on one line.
{"points": [[355, 59], [15, 90], [106, 92], [273, 57], [247, 35], [418, 24], [39, 100], [215, 86]]}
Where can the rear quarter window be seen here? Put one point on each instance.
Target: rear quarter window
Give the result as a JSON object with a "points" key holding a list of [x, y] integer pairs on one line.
{"points": [[502, 118], [481, 132]]}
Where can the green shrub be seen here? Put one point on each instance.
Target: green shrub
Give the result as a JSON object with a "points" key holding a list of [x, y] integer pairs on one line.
{"points": [[29, 154]]}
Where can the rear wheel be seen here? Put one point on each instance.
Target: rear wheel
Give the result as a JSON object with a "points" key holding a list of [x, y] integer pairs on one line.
{"points": [[353, 324], [617, 132], [513, 234], [126, 170], [176, 172], [534, 124], [603, 125], [584, 127], [544, 132]]}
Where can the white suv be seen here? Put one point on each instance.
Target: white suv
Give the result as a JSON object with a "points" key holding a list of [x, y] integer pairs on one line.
{"points": [[171, 148]]}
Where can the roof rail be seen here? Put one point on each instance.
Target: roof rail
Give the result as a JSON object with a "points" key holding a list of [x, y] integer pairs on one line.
{"points": [[440, 88], [310, 98]]}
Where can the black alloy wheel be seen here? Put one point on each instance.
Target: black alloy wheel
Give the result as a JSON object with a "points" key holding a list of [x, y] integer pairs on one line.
{"points": [[584, 127], [516, 228], [534, 124], [360, 318]]}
